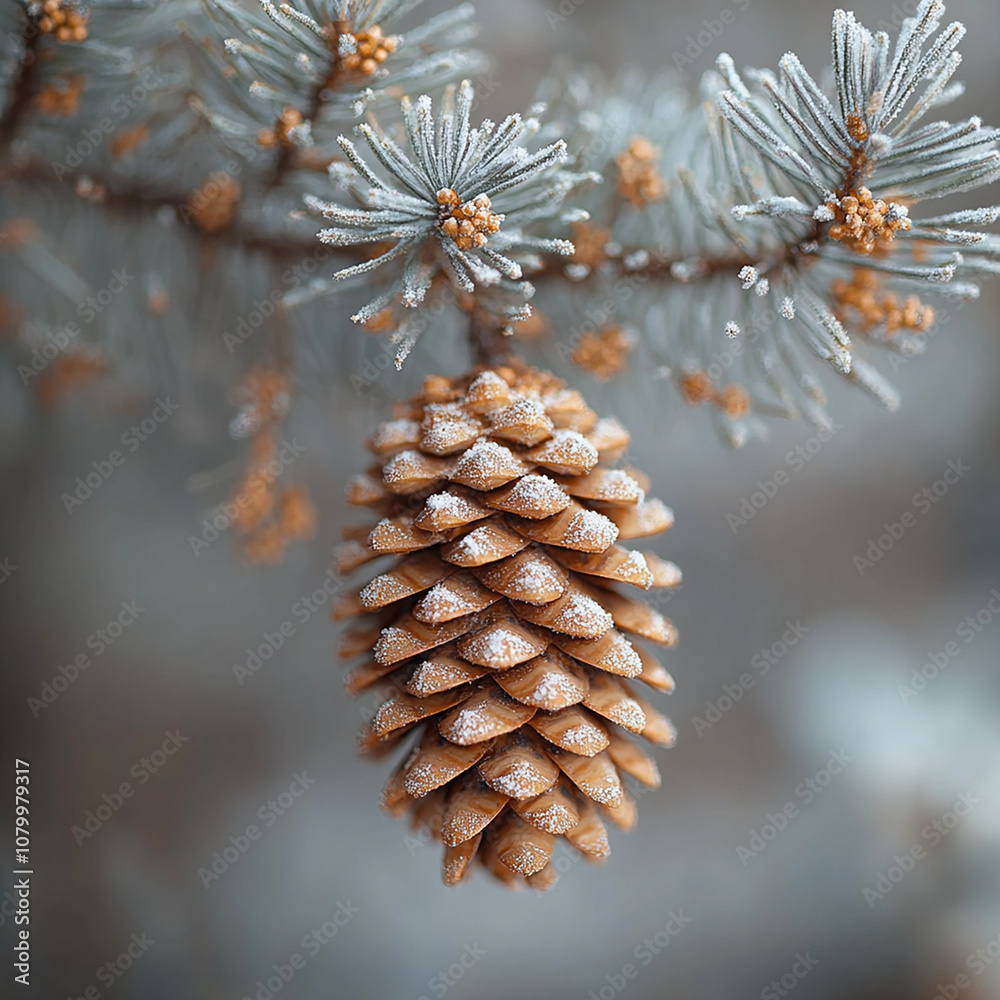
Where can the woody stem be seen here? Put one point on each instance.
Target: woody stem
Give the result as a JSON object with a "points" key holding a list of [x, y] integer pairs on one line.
{"points": [[487, 339], [22, 89]]}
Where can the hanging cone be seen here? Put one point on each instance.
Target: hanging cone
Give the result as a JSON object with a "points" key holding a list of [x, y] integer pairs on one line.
{"points": [[505, 632]]}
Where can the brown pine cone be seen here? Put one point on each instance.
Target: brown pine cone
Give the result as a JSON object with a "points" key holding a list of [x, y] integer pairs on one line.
{"points": [[500, 627]]}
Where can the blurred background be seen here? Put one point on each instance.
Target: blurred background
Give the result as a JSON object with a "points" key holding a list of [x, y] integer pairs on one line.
{"points": [[883, 787]]}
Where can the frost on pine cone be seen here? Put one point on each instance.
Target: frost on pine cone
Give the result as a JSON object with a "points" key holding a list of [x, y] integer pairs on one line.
{"points": [[501, 626]]}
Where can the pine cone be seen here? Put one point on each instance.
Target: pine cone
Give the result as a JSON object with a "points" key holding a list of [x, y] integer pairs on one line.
{"points": [[501, 627]]}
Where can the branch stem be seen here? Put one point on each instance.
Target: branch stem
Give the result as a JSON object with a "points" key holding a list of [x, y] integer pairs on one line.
{"points": [[22, 89], [488, 341]]}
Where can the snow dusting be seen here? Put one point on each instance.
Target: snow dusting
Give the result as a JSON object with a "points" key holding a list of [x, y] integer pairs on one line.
{"points": [[536, 496], [590, 531], [621, 658], [519, 781], [553, 818], [447, 427], [404, 468], [487, 465], [501, 645], [589, 739], [472, 724], [394, 433], [608, 433], [442, 603], [569, 450], [555, 688], [635, 570], [619, 487], [534, 578], [627, 713], [583, 616], [383, 590]]}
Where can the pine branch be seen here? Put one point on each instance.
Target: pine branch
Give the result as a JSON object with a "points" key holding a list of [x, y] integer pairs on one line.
{"points": [[784, 219], [309, 72], [123, 202], [490, 344], [661, 267], [22, 90]]}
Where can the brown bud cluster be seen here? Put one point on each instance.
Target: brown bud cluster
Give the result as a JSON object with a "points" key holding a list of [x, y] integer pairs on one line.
{"points": [[862, 222], [288, 119], [213, 205], [589, 242], [468, 223], [126, 141], [268, 517], [698, 388], [16, 232], [639, 177], [70, 370], [10, 316], [863, 297], [373, 48], [604, 353], [65, 20], [61, 97]]}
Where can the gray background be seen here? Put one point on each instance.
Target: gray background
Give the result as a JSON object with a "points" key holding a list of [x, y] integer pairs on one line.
{"points": [[836, 690]]}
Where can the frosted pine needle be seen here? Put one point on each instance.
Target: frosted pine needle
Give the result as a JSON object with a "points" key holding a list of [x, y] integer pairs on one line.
{"points": [[459, 201], [782, 188], [334, 57], [851, 166]]}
